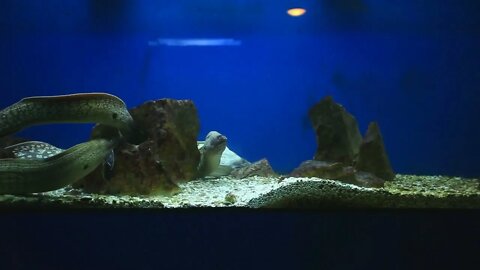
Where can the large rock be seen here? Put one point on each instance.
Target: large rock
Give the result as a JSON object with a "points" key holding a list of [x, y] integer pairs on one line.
{"points": [[341, 154], [372, 156], [162, 151], [173, 127], [338, 137]]}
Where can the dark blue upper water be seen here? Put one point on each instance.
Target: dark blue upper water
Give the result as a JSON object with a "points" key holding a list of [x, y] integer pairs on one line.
{"points": [[413, 66]]}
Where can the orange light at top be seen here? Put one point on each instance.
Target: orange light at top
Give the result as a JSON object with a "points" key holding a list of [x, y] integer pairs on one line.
{"points": [[296, 12]]}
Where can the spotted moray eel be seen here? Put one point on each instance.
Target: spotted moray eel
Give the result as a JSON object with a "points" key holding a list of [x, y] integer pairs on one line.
{"points": [[21, 176]]}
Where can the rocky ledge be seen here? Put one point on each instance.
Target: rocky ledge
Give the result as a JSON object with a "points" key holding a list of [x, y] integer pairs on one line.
{"points": [[406, 191]]}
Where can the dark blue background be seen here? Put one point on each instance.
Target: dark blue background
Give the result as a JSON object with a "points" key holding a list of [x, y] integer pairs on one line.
{"points": [[240, 240], [413, 66]]}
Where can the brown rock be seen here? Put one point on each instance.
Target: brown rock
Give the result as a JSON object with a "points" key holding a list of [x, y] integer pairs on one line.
{"points": [[173, 126], [372, 156], [323, 169], [259, 168], [164, 151], [338, 137], [336, 171]]}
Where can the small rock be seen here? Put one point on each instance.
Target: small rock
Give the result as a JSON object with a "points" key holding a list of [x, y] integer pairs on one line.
{"points": [[372, 156], [230, 198], [259, 168]]}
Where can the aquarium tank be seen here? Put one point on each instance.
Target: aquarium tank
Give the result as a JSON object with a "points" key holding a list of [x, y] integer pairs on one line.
{"points": [[238, 105], [348, 103], [117, 100]]}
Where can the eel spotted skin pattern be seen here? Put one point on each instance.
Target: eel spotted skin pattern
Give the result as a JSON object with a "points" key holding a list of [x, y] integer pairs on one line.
{"points": [[23, 176]]}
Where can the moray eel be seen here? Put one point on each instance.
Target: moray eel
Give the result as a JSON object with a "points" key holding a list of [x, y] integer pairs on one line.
{"points": [[211, 152], [76, 108], [42, 150], [216, 158], [40, 173], [21, 176]]}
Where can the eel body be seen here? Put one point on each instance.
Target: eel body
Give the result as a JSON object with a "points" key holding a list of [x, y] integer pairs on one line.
{"points": [[76, 108], [22, 176], [50, 171]]}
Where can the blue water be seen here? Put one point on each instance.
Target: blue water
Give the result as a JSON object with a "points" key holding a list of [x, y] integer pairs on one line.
{"points": [[413, 66]]}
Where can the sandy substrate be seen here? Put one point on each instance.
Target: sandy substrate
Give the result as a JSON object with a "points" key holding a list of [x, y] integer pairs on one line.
{"points": [[407, 191]]}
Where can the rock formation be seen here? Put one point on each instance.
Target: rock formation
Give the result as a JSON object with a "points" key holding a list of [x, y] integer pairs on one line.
{"points": [[341, 153], [338, 137], [162, 151], [372, 156]]}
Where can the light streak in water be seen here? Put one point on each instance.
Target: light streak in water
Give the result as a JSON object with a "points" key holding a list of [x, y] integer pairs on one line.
{"points": [[179, 42]]}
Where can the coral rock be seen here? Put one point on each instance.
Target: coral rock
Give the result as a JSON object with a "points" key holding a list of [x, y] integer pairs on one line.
{"points": [[165, 151], [372, 156], [337, 134], [259, 168]]}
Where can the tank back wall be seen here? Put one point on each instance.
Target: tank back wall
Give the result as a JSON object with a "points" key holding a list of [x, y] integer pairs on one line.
{"points": [[253, 71]]}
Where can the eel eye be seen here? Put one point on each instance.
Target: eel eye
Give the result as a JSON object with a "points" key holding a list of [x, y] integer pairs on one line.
{"points": [[114, 116]]}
